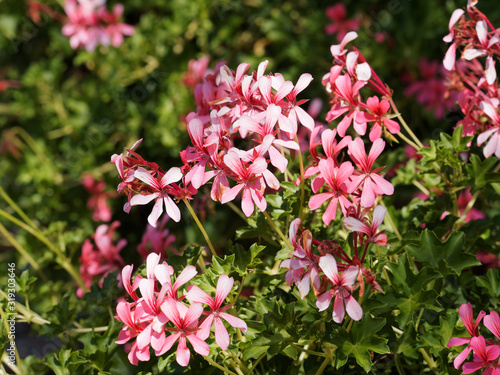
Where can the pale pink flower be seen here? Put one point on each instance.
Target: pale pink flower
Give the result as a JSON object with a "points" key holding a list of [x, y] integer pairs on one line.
{"points": [[371, 230], [493, 133], [132, 328], [186, 327], [160, 194], [450, 57], [157, 240], [465, 312], [115, 30], [249, 180], [216, 313], [341, 290], [378, 114]]}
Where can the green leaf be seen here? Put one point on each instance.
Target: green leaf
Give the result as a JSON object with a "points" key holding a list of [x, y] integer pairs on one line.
{"points": [[255, 351], [443, 255], [480, 171], [362, 341]]}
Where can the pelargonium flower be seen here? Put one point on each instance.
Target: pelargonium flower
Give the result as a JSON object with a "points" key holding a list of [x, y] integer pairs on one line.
{"points": [[465, 312], [216, 313], [103, 260], [98, 202], [371, 230], [341, 289]]}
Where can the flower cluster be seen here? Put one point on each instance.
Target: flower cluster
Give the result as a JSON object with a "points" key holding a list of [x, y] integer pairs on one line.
{"points": [[477, 85], [90, 23], [103, 260], [341, 25], [431, 90], [158, 318], [486, 351], [347, 76]]}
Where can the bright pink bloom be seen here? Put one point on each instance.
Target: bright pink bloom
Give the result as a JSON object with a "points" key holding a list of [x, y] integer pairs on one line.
{"points": [[249, 180], [160, 192], [492, 322], [115, 30], [342, 287], [371, 230], [216, 313], [493, 133], [196, 71], [186, 327], [373, 184], [338, 186], [485, 357], [378, 114], [465, 312], [341, 25]]}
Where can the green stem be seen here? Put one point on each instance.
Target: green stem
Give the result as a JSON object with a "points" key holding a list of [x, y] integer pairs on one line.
{"points": [[16, 207], [328, 358], [219, 366], [312, 352], [254, 365], [277, 230], [235, 366], [18, 358], [430, 362], [61, 258], [23, 253], [85, 330], [391, 223], [29, 315], [422, 188], [200, 226], [405, 138], [405, 125], [384, 271], [240, 213]]}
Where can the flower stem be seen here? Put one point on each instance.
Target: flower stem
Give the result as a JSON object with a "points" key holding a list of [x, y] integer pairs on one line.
{"points": [[61, 258], [405, 125], [312, 352], [200, 226], [278, 231], [430, 362], [23, 253], [16, 207], [18, 358], [391, 223], [85, 330], [30, 316], [219, 366], [422, 188], [405, 138], [235, 208], [328, 358]]}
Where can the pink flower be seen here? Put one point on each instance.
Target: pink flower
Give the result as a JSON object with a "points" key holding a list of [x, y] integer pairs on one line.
{"points": [[157, 240], [102, 261], [196, 71], [186, 327], [465, 312], [485, 357], [338, 184], [216, 314], [492, 322], [449, 59], [99, 200], [304, 265], [493, 133], [115, 30], [372, 231], [249, 180], [341, 24], [160, 194], [378, 113], [373, 184], [342, 286]]}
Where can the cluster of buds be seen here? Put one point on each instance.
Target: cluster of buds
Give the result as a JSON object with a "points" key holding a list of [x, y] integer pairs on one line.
{"points": [[477, 86], [97, 263], [158, 316], [89, 23], [486, 351]]}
